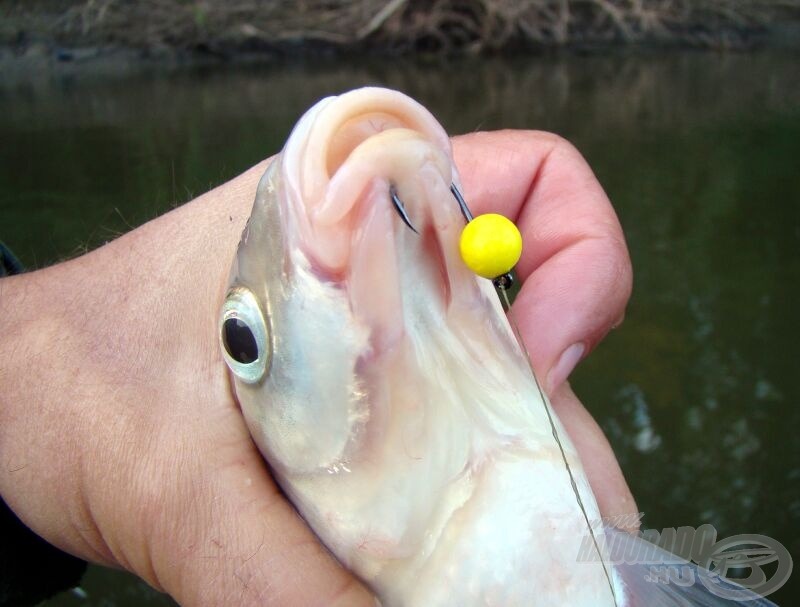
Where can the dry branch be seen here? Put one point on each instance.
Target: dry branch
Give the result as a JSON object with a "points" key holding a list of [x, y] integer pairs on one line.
{"points": [[410, 25]]}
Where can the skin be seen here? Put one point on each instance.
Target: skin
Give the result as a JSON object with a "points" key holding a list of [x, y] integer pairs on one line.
{"points": [[121, 441]]}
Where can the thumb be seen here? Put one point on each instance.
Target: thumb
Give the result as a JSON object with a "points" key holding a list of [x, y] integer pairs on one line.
{"points": [[575, 268], [570, 302]]}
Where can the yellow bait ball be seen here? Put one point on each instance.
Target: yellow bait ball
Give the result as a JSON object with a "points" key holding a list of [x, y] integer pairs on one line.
{"points": [[490, 245]]}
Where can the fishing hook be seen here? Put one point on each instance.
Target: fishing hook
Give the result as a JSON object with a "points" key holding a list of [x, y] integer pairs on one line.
{"points": [[400, 208], [462, 203], [504, 281]]}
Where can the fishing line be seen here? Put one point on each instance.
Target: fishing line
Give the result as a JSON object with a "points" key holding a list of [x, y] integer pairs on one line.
{"points": [[491, 245], [515, 328]]}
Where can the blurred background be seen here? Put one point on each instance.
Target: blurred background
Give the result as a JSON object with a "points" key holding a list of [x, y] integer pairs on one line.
{"points": [[113, 112]]}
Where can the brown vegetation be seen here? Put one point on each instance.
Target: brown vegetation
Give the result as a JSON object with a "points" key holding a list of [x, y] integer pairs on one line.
{"points": [[441, 26]]}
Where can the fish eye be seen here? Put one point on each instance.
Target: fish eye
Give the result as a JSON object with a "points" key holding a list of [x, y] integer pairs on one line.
{"points": [[244, 336]]}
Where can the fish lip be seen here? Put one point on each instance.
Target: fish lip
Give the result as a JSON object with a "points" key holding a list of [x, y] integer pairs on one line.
{"points": [[306, 151], [326, 135], [349, 152]]}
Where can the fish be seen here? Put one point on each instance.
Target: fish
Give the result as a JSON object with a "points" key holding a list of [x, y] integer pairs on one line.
{"points": [[382, 382]]}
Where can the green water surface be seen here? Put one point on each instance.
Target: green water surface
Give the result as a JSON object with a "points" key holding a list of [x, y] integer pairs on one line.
{"points": [[700, 154]]}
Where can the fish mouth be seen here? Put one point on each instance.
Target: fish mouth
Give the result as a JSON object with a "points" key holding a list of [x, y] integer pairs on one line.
{"points": [[360, 171]]}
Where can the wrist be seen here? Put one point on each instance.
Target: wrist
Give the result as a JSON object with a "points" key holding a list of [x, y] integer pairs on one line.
{"points": [[41, 441]]}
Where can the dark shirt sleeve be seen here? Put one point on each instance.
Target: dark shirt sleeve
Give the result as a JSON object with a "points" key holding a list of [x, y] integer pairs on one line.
{"points": [[9, 264], [31, 570]]}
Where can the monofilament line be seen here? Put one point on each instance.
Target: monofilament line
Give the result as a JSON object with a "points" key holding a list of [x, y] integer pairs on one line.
{"points": [[518, 334]]}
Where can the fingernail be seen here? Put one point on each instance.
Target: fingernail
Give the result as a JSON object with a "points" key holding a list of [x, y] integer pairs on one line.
{"points": [[566, 363]]}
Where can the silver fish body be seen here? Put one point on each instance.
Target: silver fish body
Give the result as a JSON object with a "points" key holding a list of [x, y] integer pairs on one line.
{"points": [[382, 382], [395, 407]]}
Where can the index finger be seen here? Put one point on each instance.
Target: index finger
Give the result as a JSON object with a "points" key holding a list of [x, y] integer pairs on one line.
{"points": [[575, 267]]}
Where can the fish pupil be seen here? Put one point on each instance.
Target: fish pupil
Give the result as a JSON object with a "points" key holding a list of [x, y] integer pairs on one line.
{"points": [[239, 341]]}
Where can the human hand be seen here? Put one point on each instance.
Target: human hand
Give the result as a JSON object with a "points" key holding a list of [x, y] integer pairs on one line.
{"points": [[121, 442]]}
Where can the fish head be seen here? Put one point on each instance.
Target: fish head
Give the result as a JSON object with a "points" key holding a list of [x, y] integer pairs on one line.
{"points": [[378, 375], [326, 269]]}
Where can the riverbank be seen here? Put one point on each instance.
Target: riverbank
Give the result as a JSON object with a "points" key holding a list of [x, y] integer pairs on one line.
{"points": [[38, 34]]}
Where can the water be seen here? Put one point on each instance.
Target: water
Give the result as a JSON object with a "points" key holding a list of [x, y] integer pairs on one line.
{"points": [[697, 390]]}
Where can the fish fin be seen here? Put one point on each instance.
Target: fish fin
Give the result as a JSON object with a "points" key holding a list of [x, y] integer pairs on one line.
{"points": [[646, 575]]}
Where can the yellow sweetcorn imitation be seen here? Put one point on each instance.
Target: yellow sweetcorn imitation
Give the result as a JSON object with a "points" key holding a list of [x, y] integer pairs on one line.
{"points": [[490, 245]]}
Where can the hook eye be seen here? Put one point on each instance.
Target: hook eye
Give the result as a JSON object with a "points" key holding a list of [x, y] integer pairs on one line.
{"points": [[245, 336]]}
